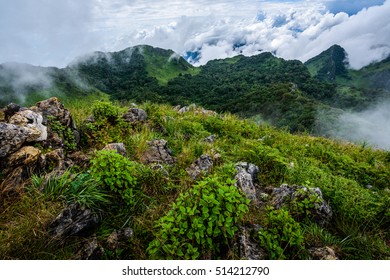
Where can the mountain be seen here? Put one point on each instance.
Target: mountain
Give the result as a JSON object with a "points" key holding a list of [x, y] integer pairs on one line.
{"points": [[284, 93], [330, 64]]}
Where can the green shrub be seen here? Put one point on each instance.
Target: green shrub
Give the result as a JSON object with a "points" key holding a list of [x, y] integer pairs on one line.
{"points": [[64, 132], [105, 111], [282, 237], [200, 222], [115, 172], [303, 203]]}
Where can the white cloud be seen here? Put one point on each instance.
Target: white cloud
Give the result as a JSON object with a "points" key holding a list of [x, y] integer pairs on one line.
{"points": [[47, 32]]}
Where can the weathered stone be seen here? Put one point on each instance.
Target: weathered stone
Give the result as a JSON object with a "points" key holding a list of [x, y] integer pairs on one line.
{"points": [[321, 211], [158, 152], [196, 110], [31, 120], [201, 166], [118, 147], [25, 156], [74, 221], [10, 110], [135, 115], [160, 168], [12, 137], [53, 107], [247, 247], [247, 179], [210, 139], [91, 250], [118, 238], [14, 182], [323, 253]]}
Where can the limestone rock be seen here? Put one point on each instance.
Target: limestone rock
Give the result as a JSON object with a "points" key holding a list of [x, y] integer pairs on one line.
{"points": [[247, 247], [74, 221], [27, 155], [323, 253], [53, 107], [210, 139], [321, 211], [246, 178], [10, 110], [158, 152], [12, 137], [118, 147], [91, 250], [118, 238], [135, 115], [201, 166], [31, 120]]}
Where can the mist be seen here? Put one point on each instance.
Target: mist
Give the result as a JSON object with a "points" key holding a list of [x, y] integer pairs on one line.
{"points": [[371, 126]]}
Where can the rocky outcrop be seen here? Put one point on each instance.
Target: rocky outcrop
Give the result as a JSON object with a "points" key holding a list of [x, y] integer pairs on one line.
{"points": [[323, 253], [118, 147], [158, 152], [289, 196], [46, 125], [195, 109], [246, 178], [246, 246], [118, 238], [91, 250], [74, 220], [200, 166], [210, 139], [135, 115], [33, 121]]}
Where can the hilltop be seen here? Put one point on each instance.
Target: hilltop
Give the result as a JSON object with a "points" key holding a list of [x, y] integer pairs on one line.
{"points": [[105, 180], [287, 94]]}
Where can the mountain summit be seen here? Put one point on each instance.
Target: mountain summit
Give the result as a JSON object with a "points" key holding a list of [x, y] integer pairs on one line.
{"points": [[330, 64]]}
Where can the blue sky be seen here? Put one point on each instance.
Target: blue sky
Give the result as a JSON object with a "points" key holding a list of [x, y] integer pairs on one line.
{"points": [[47, 32]]}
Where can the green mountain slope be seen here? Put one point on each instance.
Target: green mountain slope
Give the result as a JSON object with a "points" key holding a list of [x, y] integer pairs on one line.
{"points": [[284, 93]]}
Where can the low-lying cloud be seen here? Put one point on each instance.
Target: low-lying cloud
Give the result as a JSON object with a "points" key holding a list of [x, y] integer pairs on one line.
{"points": [[371, 126]]}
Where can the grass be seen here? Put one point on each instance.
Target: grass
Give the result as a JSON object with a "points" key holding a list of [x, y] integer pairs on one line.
{"points": [[359, 228]]}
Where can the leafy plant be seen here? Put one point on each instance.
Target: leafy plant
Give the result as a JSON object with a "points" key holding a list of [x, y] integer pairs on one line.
{"points": [[303, 203], [64, 132], [115, 172], [282, 236], [200, 221], [105, 111]]}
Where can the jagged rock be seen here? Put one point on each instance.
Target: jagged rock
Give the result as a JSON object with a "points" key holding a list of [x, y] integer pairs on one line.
{"points": [[247, 179], [12, 137], [27, 155], [91, 250], [79, 158], [160, 168], [31, 120], [118, 147], [210, 139], [135, 115], [14, 182], [53, 107], [201, 166], [10, 110], [158, 152], [195, 109], [323, 253], [55, 161], [321, 211], [74, 221], [118, 238], [247, 247]]}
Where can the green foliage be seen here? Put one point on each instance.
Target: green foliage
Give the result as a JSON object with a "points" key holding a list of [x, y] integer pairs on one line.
{"points": [[115, 172], [200, 222], [71, 188], [303, 203], [105, 111], [64, 132], [282, 236]]}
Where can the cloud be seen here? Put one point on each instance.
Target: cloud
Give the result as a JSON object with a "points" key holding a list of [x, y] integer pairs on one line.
{"points": [[371, 126], [45, 32]]}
